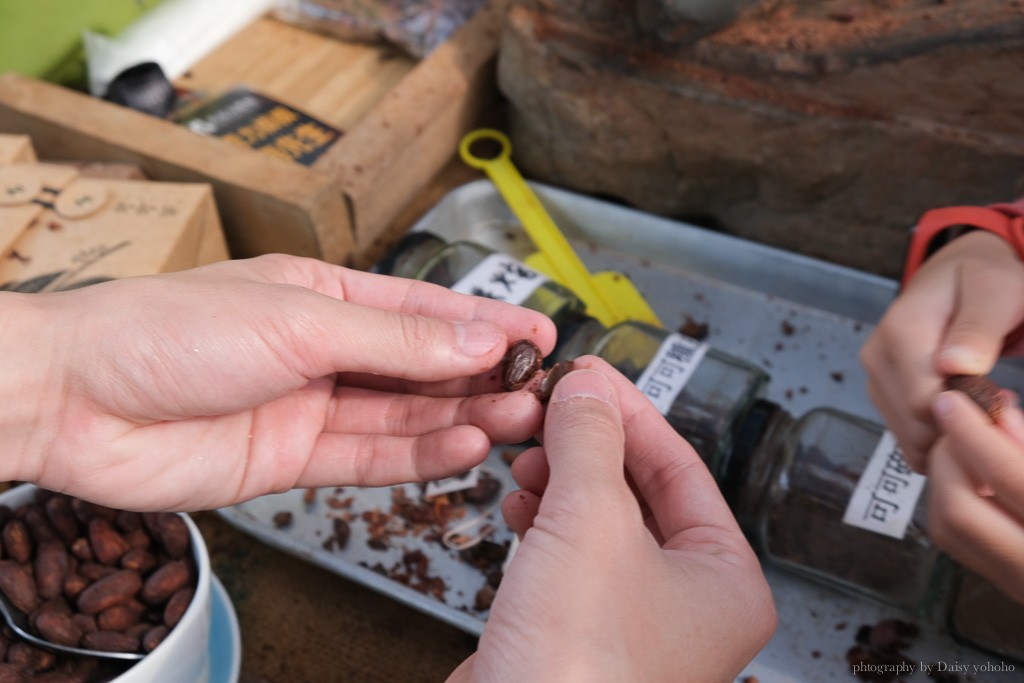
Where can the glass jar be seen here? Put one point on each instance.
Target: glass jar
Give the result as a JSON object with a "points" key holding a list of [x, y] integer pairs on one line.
{"points": [[702, 392], [836, 502], [983, 617], [474, 269]]}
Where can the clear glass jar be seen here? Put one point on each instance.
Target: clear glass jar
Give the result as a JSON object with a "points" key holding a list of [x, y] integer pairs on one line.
{"points": [[702, 392], [838, 504], [983, 617], [474, 269]]}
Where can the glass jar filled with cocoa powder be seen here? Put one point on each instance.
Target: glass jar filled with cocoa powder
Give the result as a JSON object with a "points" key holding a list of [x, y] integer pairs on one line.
{"points": [[701, 391], [829, 496]]}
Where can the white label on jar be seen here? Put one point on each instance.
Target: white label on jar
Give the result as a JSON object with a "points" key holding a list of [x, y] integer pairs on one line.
{"points": [[501, 277], [670, 370], [459, 482], [887, 492]]}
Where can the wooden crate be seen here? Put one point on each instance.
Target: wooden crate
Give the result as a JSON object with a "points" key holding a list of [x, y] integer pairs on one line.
{"points": [[401, 123]]}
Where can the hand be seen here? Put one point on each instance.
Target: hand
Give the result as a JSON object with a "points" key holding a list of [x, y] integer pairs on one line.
{"points": [[202, 388], [976, 491], [954, 317], [648, 583]]}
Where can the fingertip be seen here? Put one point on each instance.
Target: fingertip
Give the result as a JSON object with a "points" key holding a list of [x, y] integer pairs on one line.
{"points": [[584, 384], [962, 358], [519, 508]]}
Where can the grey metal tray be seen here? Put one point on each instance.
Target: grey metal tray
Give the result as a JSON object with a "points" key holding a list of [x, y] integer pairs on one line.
{"points": [[802, 319]]}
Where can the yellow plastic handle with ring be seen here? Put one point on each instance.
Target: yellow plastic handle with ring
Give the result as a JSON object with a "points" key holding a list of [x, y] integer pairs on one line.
{"points": [[610, 297]]}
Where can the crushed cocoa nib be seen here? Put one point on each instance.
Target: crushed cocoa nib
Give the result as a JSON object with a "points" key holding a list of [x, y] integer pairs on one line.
{"points": [[693, 329], [282, 519]]}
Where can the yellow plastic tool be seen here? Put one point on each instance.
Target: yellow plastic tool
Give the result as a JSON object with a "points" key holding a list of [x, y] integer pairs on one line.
{"points": [[610, 297]]}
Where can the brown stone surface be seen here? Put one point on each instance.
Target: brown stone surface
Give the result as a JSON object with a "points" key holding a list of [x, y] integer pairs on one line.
{"points": [[303, 624], [777, 128]]}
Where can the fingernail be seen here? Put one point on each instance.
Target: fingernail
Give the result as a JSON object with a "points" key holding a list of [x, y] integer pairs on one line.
{"points": [[583, 384], [942, 406], [962, 359], [476, 339]]}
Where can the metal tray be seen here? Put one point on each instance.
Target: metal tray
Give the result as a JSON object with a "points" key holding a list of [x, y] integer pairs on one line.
{"points": [[802, 319]]}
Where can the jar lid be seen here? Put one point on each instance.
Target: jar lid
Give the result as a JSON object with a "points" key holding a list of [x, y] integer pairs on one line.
{"points": [[746, 439], [395, 259]]}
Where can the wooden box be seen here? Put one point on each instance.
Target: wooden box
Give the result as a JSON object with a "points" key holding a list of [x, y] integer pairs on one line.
{"points": [[401, 123], [60, 229]]}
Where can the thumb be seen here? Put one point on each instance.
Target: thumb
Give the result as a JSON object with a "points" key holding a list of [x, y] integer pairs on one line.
{"points": [[584, 439]]}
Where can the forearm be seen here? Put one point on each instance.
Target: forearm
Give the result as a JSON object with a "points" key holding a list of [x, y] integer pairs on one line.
{"points": [[29, 388]]}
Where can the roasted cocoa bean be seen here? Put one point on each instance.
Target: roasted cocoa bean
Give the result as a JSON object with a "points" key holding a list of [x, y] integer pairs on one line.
{"points": [[139, 538], [74, 584], [58, 606], [154, 637], [165, 582], [139, 559], [59, 628], [119, 587], [81, 549], [62, 517], [18, 586], [17, 541], [38, 524], [173, 535], [126, 520], [86, 622], [84, 510], [110, 641], [106, 542], [521, 361], [118, 617], [12, 673], [94, 571], [51, 568], [31, 659], [176, 606]]}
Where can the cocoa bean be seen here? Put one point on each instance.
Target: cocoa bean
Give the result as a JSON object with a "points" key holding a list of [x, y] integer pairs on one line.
{"points": [[12, 673], [86, 622], [110, 641], [139, 559], [119, 587], [165, 581], [51, 568], [94, 571], [74, 584], [17, 541], [177, 604], [18, 586], [38, 524], [117, 618], [106, 542], [173, 535], [62, 517], [59, 628], [138, 538], [126, 521], [81, 549], [154, 637]]}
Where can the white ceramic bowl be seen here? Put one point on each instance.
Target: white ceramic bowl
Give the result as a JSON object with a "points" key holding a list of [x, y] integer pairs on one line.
{"points": [[184, 655]]}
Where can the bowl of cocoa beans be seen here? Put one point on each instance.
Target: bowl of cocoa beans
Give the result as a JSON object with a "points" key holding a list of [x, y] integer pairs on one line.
{"points": [[95, 577]]}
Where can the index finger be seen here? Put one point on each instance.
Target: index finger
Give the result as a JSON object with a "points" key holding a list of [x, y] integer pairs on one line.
{"points": [[413, 297], [668, 473]]}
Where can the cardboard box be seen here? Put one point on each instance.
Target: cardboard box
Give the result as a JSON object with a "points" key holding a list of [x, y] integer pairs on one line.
{"points": [[60, 230], [405, 126]]}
